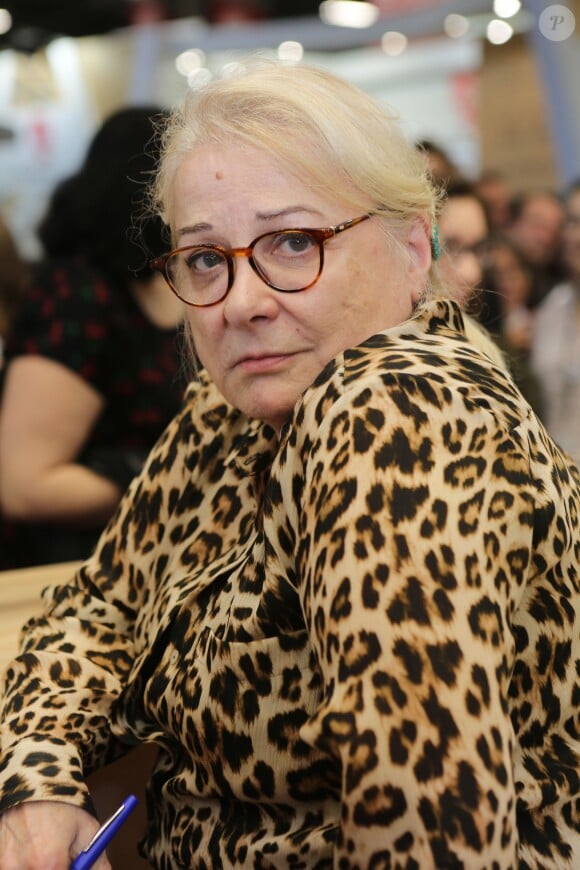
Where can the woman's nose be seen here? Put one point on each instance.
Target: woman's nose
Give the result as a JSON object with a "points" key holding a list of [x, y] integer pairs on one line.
{"points": [[249, 296]]}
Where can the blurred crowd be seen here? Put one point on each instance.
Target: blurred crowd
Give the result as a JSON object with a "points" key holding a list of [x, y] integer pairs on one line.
{"points": [[516, 258]]}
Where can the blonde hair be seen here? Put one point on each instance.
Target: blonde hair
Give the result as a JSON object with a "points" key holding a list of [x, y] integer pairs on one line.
{"points": [[293, 113], [478, 335]]}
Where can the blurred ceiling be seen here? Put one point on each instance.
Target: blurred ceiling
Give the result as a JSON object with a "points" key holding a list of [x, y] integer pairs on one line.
{"points": [[36, 22]]}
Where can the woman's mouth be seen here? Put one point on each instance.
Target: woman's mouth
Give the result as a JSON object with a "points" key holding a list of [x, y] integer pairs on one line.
{"points": [[263, 362]]}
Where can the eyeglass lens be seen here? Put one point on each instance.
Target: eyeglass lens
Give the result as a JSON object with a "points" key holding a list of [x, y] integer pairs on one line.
{"points": [[289, 260]]}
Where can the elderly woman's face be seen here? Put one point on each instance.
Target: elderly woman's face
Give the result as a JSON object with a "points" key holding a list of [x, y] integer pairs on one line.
{"points": [[263, 347]]}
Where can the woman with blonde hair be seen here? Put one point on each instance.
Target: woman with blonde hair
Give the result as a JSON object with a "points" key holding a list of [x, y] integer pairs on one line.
{"points": [[340, 598]]}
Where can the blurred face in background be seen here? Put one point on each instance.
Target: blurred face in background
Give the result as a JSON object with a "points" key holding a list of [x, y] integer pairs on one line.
{"points": [[571, 237], [537, 231], [510, 276], [463, 232], [495, 192]]}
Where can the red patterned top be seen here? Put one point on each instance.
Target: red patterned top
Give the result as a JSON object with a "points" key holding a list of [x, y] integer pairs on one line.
{"points": [[73, 315]]}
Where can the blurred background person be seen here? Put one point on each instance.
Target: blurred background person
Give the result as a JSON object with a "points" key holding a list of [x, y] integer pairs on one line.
{"points": [[506, 291], [92, 366], [463, 234], [509, 278], [537, 220], [555, 349], [441, 167], [13, 278], [475, 262], [494, 190]]}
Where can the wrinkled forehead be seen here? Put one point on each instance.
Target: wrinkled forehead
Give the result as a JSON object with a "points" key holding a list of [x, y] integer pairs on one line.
{"points": [[229, 169]]}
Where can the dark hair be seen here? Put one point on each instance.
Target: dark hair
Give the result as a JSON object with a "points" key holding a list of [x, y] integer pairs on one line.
{"points": [[100, 212], [431, 147], [449, 173], [492, 311], [13, 277]]}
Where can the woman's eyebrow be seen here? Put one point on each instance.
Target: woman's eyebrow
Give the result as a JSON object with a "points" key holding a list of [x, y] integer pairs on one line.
{"points": [[194, 228], [275, 214], [285, 212]]}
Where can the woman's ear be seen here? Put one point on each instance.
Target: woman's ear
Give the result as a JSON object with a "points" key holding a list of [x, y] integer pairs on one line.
{"points": [[418, 244]]}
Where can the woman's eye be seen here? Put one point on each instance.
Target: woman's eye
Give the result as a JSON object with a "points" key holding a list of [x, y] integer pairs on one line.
{"points": [[204, 260], [293, 244]]}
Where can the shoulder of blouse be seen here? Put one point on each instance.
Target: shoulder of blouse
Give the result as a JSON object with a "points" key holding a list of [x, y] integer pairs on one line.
{"points": [[425, 366]]}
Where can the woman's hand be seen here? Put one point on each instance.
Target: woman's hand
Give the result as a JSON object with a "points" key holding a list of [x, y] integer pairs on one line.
{"points": [[47, 835]]}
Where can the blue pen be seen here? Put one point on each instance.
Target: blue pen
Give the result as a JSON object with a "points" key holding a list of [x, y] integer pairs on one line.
{"points": [[104, 835]]}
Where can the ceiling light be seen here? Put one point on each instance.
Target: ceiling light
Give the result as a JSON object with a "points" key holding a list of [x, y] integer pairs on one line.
{"points": [[455, 25], [233, 69], [348, 13], [199, 78], [290, 51], [5, 21], [190, 60], [499, 32], [394, 43], [506, 8]]}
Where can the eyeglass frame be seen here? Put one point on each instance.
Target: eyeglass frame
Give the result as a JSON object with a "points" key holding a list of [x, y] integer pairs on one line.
{"points": [[320, 236]]}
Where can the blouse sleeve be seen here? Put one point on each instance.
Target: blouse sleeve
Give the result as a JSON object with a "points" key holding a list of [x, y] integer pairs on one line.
{"points": [[66, 316], [57, 694], [410, 565]]}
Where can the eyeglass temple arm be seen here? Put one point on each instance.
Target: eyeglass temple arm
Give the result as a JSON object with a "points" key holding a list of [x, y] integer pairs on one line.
{"points": [[158, 263], [346, 225]]}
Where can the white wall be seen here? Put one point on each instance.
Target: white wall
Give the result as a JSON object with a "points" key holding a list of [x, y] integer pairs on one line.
{"points": [[50, 113]]}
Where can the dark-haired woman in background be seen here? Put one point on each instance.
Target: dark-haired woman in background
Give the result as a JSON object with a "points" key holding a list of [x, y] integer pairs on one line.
{"points": [[13, 277], [92, 362]]}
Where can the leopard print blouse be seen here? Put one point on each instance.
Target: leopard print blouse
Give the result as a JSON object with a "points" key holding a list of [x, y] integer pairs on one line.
{"points": [[355, 644]]}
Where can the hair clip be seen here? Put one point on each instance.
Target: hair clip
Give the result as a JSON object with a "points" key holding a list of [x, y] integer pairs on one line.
{"points": [[435, 246]]}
